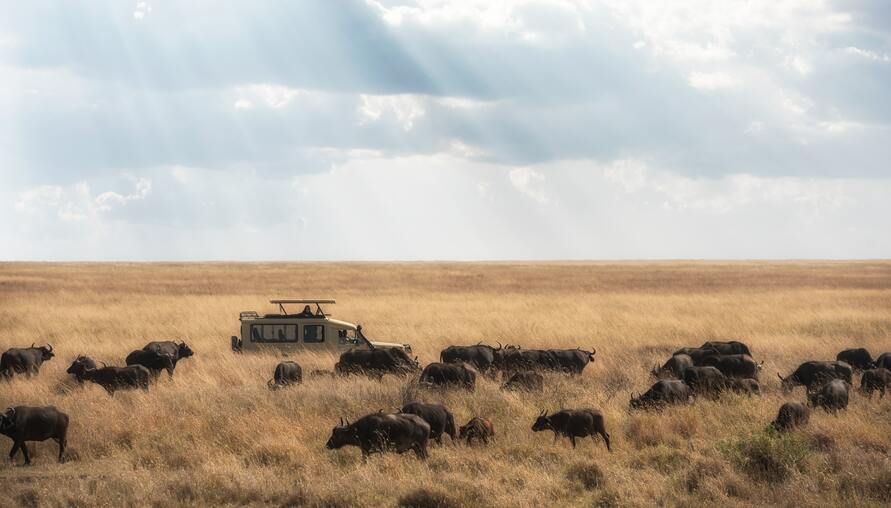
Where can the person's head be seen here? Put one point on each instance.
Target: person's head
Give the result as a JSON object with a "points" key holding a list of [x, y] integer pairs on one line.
{"points": [[307, 310]]}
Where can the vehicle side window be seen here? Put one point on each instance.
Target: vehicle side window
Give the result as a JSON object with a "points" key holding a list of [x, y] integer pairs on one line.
{"points": [[274, 333], [313, 333]]}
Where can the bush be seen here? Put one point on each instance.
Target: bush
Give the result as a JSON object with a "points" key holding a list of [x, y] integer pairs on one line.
{"points": [[425, 498], [588, 476], [770, 456]]}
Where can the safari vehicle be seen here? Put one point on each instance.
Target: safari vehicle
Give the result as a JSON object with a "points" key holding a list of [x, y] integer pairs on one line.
{"points": [[307, 330]]}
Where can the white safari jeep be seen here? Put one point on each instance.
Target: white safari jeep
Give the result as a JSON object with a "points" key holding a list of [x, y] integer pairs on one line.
{"points": [[308, 330]]}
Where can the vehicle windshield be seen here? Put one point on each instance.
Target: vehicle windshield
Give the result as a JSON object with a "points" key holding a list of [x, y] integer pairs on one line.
{"points": [[346, 336]]}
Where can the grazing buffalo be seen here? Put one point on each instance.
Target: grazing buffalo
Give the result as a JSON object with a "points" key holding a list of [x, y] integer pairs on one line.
{"points": [[154, 361], [813, 374], [697, 354], [477, 428], [482, 357], [571, 361], [674, 367], [526, 380], [167, 347], [26, 423], [24, 360], [375, 362], [119, 378], [875, 379], [437, 416], [737, 366], [705, 381], [858, 358], [286, 374], [573, 423], [744, 386], [382, 432], [831, 397], [79, 365], [732, 347], [664, 391], [883, 361], [516, 359], [791, 415], [448, 374]]}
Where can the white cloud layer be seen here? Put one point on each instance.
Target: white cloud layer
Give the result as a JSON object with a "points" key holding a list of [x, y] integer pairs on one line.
{"points": [[428, 129]]}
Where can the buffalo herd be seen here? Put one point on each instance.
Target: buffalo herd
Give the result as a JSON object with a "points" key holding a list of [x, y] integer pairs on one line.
{"points": [[708, 371]]}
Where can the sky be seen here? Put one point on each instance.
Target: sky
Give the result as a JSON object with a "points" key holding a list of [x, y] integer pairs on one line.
{"points": [[431, 130]]}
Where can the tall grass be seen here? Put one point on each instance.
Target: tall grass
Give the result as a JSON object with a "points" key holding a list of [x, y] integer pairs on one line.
{"points": [[215, 435]]}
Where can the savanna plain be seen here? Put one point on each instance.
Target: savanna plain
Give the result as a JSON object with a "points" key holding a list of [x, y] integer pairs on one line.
{"points": [[215, 435]]}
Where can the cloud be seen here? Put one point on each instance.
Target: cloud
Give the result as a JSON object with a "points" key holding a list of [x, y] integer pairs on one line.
{"points": [[77, 202]]}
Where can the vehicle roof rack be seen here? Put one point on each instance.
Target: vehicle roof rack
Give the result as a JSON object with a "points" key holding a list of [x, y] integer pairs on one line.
{"points": [[311, 300], [317, 301]]}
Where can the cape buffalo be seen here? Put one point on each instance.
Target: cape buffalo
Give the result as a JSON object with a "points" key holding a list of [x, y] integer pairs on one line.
{"points": [[813, 374], [79, 365], [119, 378], [732, 347], [664, 391], [527, 380], [382, 432], [25, 423], [697, 354], [375, 362], [448, 374], [24, 360], [479, 428], [791, 415], [286, 374], [571, 361], [858, 358], [740, 366], [883, 361], [154, 361], [832, 396], [674, 367], [744, 386], [167, 347], [705, 381], [875, 379], [482, 357], [437, 416], [573, 423]]}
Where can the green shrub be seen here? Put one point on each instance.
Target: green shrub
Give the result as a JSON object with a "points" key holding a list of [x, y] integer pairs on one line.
{"points": [[769, 456]]}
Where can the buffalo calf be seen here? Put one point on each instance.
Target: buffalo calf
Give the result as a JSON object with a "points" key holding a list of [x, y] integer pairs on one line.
{"points": [[478, 428], [791, 415], [875, 379], [831, 397]]}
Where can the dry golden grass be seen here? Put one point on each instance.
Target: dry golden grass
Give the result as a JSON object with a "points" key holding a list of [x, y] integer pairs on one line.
{"points": [[217, 436]]}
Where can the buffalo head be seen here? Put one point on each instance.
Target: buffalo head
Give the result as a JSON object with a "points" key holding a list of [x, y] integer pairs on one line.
{"points": [[342, 435], [7, 419], [542, 422], [184, 350]]}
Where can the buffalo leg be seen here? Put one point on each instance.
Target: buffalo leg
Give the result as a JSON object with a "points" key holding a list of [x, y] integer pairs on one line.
{"points": [[26, 454], [572, 440], [15, 449], [605, 439], [62, 443]]}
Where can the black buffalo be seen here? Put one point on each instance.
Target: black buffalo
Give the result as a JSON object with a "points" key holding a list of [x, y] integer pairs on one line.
{"points": [[375, 362], [744, 386], [168, 347], [437, 416], [705, 381], [883, 361], [24, 360], [572, 361], [25, 423], [697, 354], [573, 423], [79, 365], [832, 396], [527, 380], [382, 432], [791, 415], [674, 367], [119, 378], [154, 361], [858, 358], [732, 347], [875, 379], [813, 374], [484, 358], [664, 391], [477, 428], [448, 374], [740, 366], [286, 374]]}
